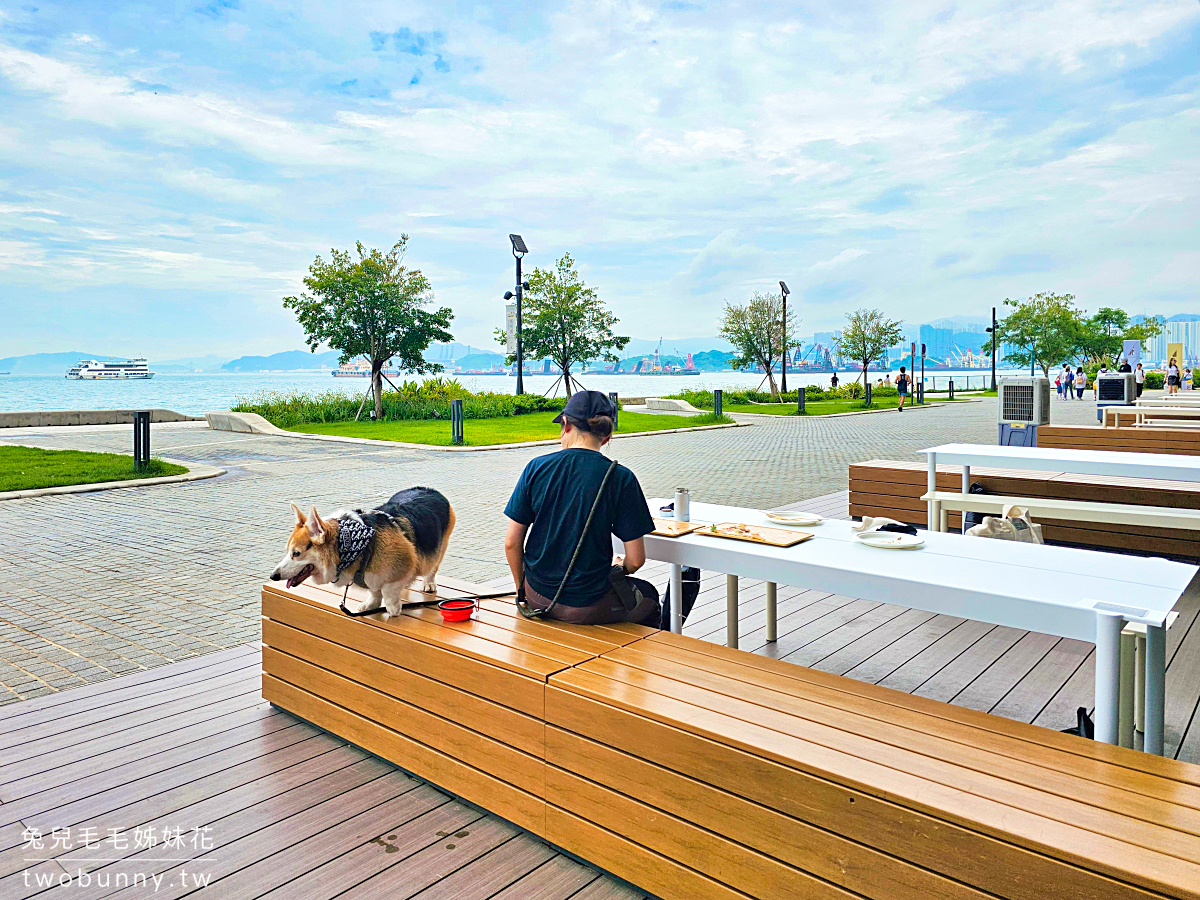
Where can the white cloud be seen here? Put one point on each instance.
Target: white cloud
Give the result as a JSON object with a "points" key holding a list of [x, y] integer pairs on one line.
{"points": [[681, 156], [844, 257]]}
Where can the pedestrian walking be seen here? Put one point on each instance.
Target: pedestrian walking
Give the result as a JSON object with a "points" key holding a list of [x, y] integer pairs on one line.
{"points": [[902, 388], [1139, 379], [1080, 382], [1172, 376], [1070, 382]]}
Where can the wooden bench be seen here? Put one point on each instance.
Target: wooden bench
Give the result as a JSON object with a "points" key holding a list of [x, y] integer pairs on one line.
{"points": [[895, 488], [1142, 440], [461, 705], [697, 771], [1068, 510], [1157, 416]]}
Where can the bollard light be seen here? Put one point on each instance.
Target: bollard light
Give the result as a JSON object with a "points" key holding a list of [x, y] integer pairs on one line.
{"points": [[141, 438], [612, 395], [718, 402], [456, 422], [800, 400]]}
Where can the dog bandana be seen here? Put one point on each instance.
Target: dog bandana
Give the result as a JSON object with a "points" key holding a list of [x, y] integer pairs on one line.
{"points": [[354, 538]]}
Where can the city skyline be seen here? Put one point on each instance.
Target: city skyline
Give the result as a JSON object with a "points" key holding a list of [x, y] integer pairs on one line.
{"points": [[170, 172]]}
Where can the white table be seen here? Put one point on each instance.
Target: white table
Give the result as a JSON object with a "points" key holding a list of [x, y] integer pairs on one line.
{"points": [[1079, 594], [1165, 466], [1157, 414]]}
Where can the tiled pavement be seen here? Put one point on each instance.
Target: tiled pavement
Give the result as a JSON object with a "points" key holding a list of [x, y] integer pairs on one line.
{"points": [[99, 584]]}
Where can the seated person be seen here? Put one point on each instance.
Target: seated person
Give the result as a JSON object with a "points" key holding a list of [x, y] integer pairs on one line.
{"points": [[547, 513]]}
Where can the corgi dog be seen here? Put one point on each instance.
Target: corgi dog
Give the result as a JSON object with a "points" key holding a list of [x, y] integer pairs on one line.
{"points": [[383, 550]]}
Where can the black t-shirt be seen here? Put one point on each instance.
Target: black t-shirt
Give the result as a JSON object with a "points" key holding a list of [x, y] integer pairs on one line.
{"points": [[553, 496]]}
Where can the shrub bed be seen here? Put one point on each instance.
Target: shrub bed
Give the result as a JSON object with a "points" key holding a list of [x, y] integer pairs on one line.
{"points": [[812, 394], [413, 401]]}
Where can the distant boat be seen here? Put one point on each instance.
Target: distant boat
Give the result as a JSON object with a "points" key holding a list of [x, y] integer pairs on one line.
{"points": [[360, 369], [91, 370]]}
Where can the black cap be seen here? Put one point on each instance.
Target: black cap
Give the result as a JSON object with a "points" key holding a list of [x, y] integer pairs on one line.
{"points": [[585, 404]]}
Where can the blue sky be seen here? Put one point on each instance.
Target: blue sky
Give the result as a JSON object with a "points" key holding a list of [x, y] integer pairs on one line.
{"points": [[168, 171]]}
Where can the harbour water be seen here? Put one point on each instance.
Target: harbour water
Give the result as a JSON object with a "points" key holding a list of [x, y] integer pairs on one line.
{"points": [[195, 394]]}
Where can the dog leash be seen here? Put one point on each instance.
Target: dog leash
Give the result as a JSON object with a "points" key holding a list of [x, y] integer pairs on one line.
{"points": [[371, 612]]}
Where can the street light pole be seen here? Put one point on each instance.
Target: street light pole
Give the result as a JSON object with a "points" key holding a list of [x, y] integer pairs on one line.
{"points": [[992, 332], [783, 338], [519, 250]]}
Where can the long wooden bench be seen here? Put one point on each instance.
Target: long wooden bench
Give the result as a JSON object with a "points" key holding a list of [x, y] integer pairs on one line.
{"points": [[894, 488], [1143, 440], [697, 771]]}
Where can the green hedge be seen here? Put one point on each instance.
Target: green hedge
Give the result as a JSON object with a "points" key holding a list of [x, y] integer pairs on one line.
{"points": [[414, 400], [812, 394]]}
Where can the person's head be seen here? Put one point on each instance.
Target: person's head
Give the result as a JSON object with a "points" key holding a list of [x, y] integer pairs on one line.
{"points": [[902, 370], [1139, 365], [1079, 371], [586, 421]]}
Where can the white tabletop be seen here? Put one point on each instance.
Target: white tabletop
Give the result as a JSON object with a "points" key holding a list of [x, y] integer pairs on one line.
{"points": [[1054, 590], [1167, 466]]}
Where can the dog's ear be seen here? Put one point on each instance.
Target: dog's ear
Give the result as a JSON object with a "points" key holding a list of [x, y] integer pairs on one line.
{"points": [[300, 520], [316, 528]]}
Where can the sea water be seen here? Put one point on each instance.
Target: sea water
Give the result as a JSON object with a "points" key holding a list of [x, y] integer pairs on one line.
{"points": [[195, 394]]}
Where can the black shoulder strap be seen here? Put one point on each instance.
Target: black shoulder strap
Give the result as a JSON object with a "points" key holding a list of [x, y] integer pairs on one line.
{"points": [[522, 605]]}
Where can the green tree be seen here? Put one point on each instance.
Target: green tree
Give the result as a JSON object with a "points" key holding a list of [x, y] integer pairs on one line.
{"points": [[759, 334], [1103, 335], [866, 337], [565, 321], [1045, 328], [373, 307]]}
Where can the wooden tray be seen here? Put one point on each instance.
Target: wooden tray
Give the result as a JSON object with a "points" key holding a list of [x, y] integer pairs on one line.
{"points": [[674, 528], [759, 534]]}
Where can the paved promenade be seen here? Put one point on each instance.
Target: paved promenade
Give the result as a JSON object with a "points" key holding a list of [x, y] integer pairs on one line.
{"points": [[99, 584]]}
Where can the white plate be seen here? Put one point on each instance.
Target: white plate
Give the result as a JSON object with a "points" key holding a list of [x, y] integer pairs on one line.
{"points": [[890, 540], [800, 518]]}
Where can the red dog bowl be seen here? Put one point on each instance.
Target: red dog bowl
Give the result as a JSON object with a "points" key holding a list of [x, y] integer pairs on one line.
{"points": [[456, 610]]}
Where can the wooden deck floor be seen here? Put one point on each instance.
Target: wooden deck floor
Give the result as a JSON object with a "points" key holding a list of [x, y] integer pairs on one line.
{"points": [[269, 806], [1019, 674]]}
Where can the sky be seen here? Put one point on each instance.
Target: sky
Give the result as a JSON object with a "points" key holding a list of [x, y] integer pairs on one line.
{"points": [[168, 171]]}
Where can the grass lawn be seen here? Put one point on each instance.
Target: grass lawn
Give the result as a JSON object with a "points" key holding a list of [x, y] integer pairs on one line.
{"points": [[26, 468], [485, 432]]}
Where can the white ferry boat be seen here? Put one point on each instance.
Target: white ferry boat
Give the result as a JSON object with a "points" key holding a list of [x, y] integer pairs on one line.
{"points": [[360, 368], [92, 369]]}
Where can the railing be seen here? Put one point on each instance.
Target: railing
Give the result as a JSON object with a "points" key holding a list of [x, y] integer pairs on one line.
{"points": [[935, 384]]}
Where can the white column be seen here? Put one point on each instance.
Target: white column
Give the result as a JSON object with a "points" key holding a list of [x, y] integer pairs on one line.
{"points": [[677, 598], [1108, 675], [966, 481], [1156, 686], [731, 611], [931, 484], [1125, 708], [772, 619]]}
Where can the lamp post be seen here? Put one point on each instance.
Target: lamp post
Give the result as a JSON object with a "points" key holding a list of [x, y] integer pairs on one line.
{"points": [[992, 332], [519, 250], [783, 338]]}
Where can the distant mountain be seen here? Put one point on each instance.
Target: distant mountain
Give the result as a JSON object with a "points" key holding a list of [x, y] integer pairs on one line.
{"points": [[676, 346], [477, 361], [208, 363], [288, 360], [1179, 317], [708, 361], [443, 353], [46, 363]]}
